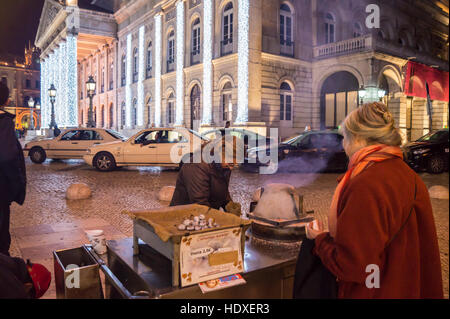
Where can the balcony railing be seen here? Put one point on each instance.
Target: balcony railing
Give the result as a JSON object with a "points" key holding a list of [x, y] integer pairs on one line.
{"points": [[287, 47], [170, 65], [226, 46], [344, 47], [195, 57]]}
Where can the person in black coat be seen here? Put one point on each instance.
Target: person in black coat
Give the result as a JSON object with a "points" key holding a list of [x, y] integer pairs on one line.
{"points": [[12, 170], [204, 183]]}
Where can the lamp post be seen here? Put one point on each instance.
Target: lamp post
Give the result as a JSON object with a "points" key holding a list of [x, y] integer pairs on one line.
{"points": [[31, 106], [52, 95], [381, 94], [362, 94], [38, 107], [90, 89]]}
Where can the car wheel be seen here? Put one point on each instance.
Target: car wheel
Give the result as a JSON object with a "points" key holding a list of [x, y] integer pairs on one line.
{"points": [[37, 155], [104, 162], [436, 165]]}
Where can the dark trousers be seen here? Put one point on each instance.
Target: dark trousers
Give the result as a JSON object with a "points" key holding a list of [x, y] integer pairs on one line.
{"points": [[5, 236]]}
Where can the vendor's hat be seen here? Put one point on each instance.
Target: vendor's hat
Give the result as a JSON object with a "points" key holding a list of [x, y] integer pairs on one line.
{"points": [[41, 278]]}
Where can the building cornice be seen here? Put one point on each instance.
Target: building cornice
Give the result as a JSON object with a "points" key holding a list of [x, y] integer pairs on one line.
{"points": [[284, 59]]}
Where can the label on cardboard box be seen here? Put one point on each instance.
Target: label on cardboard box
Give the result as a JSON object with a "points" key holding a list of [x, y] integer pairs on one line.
{"points": [[210, 255], [221, 283]]}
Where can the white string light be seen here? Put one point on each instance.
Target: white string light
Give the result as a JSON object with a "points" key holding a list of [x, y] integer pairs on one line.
{"points": [[207, 61], [158, 70], [243, 53], [180, 64], [128, 84], [140, 102], [72, 81]]}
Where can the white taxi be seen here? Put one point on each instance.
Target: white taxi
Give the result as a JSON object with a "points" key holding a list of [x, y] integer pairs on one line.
{"points": [[149, 147], [71, 143]]}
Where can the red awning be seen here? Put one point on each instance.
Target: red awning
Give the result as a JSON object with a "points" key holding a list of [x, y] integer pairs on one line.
{"points": [[417, 75]]}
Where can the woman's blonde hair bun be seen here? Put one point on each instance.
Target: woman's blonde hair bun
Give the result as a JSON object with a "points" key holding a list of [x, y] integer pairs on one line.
{"points": [[373, 123]]}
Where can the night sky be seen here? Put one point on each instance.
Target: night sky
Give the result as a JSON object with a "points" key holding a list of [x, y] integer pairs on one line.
{"points": [[19, 21]]}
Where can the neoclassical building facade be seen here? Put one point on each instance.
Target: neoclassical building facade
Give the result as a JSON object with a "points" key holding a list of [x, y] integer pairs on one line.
{"points": [[257, 63]]}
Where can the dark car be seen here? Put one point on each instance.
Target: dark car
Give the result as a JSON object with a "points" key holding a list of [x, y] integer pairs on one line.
{"points": [[312, 151], [430, 152]]}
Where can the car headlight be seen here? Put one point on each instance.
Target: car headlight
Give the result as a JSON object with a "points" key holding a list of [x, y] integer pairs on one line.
{"points": [[421, 151]]}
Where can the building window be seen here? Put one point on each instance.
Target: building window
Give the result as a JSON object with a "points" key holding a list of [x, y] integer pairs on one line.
{"points": [[286, 30], [227, 104], [171, 52], [357, 30], [148, 70], [135, 65], [111, 76], [102, 116], [38, 85], [195, 53], [134, 113], [4, 81], [285, 102], [149, 112], [82, 117], [170, 109], [227, 30], [111, 116], [124, 70], [329, 28], [122, 114], [103, 80], [27, 83]]}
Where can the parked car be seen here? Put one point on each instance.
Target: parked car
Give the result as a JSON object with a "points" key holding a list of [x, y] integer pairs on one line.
{"points": [[149, 147], [430, 152], [72, 143], [250, 139], [311, 151]]}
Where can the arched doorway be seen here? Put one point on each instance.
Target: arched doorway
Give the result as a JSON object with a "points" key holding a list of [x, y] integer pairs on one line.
{"points": [[338, 97], [195, 108]]}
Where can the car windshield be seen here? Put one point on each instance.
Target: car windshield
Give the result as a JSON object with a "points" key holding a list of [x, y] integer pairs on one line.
{"points": [[116, 135], [292, 140], [204, 138], [434, 137]]}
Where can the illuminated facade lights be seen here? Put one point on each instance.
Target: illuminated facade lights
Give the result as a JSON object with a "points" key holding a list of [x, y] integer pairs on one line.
{"points": [[243, 59], [128, 84], [141, 78], [180, 64], [207, 61], [158, 22]]}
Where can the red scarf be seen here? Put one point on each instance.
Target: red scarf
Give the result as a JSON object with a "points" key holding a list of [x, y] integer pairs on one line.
{"points": [[359, 161]]}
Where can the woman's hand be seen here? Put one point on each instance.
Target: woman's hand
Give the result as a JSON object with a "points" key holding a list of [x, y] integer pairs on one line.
{"points": [[314, 228]]}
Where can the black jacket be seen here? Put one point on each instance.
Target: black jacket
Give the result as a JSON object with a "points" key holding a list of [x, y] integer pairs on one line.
{"points": [[13, 276], [202, 183], [12, 163]]}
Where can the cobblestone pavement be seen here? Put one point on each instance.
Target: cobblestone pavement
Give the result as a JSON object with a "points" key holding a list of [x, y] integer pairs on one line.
{"points": [[47, 221]]}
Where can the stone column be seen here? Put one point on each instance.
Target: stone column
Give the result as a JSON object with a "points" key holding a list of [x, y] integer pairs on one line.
{"points": [[158, 25], [208, 27], [128, 83], [141, 78], [420, 119], [180, 65], [254, 61], [397, 106], [243, 60]]}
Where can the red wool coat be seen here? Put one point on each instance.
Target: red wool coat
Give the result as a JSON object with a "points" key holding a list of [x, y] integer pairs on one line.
{"points": [[371, 210]]}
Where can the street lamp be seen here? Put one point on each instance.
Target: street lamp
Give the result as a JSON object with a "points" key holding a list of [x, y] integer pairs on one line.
{"points": [[52, 95], [90, 89], [362, 94], [38, 107], [31, 106], [381, 94]]}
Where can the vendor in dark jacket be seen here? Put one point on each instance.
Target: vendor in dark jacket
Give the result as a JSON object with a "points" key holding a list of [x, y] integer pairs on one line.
{"points": [[205, 183], [12, 170]]}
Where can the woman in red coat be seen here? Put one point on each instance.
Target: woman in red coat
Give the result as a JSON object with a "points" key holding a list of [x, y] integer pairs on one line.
{"points": [[382, 239]]}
